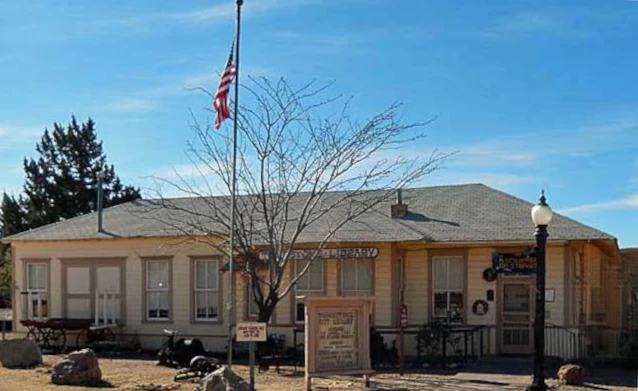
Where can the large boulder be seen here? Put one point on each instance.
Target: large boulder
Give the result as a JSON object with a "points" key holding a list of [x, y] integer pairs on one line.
{"points": [[77, 369], [223, 379], [20, 353], [572, 374]]}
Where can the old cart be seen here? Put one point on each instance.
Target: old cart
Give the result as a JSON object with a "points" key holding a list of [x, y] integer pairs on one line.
{"points": [[51, 333]]}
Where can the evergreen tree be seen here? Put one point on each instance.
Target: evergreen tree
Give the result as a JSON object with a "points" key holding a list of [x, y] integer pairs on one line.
{"points": [[12, 220], [61, 182]]}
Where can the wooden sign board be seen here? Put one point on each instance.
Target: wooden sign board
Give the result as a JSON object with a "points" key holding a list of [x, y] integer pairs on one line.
{"points": [[337, 337], [524, 263], [251, 332], [6, 314], [330, 253]]}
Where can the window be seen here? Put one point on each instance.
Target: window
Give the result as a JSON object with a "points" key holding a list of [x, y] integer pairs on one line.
{"points": [[158, 290], [206, 290], [356, 277], [448, 278], [310, 284], [253, 308], [37, 290]]}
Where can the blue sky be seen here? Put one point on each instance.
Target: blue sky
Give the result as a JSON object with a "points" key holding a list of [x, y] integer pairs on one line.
{"points": [[533, 94]]}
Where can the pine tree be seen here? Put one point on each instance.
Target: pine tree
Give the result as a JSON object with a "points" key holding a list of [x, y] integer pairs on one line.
{"points": [[61, 182], [12, 220]]}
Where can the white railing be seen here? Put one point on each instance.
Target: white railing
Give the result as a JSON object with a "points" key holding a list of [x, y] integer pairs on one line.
{"points": [[105, 308]]}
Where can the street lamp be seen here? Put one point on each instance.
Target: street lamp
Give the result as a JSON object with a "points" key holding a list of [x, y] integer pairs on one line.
{"points": [[541, 215]]}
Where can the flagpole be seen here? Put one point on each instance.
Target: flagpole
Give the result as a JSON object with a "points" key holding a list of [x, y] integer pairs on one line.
{"points": [[231, 285]]}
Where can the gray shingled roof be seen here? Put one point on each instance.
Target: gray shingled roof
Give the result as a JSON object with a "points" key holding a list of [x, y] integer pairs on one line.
{"points": [[460, 213]]}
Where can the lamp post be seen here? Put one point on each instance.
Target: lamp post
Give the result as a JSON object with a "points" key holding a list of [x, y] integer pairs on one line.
{"points": [[541, 215]]}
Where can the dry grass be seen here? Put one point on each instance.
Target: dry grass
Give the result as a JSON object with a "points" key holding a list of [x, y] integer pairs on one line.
{"points": [[125, 374]]}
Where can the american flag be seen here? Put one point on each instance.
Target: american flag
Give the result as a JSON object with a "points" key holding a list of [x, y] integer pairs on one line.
{"points": [[220, 102]]}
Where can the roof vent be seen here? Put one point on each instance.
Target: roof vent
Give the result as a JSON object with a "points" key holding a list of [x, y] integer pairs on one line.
{"points": [[399, 209]]}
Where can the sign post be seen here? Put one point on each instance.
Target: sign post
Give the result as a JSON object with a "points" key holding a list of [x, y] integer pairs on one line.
{"points": [[251, 332], [6, 315], [403, 323]]}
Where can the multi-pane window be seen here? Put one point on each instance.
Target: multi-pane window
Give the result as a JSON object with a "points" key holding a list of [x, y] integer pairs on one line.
{"points": [[253, 308], [356, 277], [37, 289], [206, 290], [310, 284], [448, 278], [158, 290]]}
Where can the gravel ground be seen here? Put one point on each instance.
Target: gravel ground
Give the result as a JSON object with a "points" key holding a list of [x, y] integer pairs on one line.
{"points": [[127, 374]]}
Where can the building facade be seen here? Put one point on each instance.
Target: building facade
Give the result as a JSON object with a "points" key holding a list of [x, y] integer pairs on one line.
{"points": [[460, 254]]}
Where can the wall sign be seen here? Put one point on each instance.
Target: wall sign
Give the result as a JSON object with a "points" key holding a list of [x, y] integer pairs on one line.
{"points": [[520, 263], [480, 307], [330, 253], [550, 295]]}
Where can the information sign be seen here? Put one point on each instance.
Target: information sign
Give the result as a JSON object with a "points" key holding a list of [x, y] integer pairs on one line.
{"points": [[251, 332]]}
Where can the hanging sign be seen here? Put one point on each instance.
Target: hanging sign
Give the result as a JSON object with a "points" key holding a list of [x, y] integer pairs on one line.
{"points": [[330, 253], [523, 263]]}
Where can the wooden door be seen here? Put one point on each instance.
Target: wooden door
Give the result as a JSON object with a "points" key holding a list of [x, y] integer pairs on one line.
{"points": [[516, 320]]}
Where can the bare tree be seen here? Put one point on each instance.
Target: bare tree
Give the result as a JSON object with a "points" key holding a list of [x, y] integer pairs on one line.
{"points": [[305, 171]]}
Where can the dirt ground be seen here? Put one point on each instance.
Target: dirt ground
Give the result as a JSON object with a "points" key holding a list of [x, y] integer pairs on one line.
{"points": [[126, 374]]}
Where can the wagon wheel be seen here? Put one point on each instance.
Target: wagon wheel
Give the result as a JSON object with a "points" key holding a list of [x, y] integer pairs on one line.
{"points": [[83, 339], [35, 335], [56, 339]]}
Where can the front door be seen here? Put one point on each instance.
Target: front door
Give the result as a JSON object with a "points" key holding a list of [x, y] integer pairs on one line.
{"points": [[516, 320]]}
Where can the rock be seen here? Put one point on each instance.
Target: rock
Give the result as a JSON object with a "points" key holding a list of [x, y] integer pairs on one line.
{"points": [[572, 374], [20, 353], [77, 368], [223, 379], [158, 387]]}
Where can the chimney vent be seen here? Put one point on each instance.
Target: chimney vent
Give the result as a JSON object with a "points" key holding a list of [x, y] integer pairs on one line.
{"points": [[399, 209]]}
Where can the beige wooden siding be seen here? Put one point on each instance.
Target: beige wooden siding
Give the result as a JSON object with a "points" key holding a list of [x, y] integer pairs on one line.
{"points": [[416, 287], [282, 311], [133, 251], [478, 260], [332, 277], [382, 287], [555, 279]]}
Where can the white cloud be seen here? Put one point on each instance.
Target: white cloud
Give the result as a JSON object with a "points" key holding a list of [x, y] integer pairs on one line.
{"points": [[630, 202], [14, 134], [216, 13], [129, 105]]}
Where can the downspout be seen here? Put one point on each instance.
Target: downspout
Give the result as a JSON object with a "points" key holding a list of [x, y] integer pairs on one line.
{"points": [[100, 199]]}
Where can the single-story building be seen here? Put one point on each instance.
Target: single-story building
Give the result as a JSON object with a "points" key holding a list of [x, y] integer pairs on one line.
{"points": [[437, 259]]}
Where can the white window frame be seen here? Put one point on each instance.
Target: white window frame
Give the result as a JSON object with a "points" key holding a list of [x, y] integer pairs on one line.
{"points": [[357, 291], [40, 295], [159, 289], [214, 263], [447, 289], [306, 291]]}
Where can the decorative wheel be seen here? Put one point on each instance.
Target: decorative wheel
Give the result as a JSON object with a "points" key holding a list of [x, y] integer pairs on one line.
{"points": [[82, 340], [34, 335], [56, 339]]}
